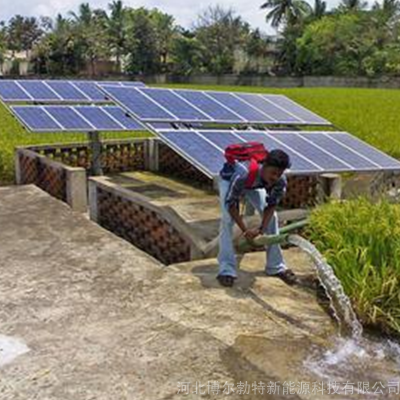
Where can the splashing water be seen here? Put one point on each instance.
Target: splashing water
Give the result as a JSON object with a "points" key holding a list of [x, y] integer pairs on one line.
{"points": [[340, 303], [353, 357], [365, 361]]}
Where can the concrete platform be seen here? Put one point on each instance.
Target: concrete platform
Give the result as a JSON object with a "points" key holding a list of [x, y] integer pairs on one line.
{"points": [[104, 321]]}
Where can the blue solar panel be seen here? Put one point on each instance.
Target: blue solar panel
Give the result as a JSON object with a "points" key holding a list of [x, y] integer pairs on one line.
{"points": [[90, 89], [120, 115], [67, 91], [99, 119], [39, 91], [221, 139], [268, 108], [209, 106], [135, 102], [299, 163], [310, 152], [175, 105], [69, 119], [350, 157], [296, 109], [201, 153], [10, 91], [35, 118], [241, 108], [313, 153], [364, 149]]}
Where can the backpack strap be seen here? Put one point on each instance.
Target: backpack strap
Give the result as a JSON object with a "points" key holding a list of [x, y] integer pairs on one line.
{"points": [[253, 170]]}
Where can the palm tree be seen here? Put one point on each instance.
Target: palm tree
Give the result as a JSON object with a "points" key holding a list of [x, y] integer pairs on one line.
{"points": [[286, 11], [319, 9], [116, 24], [353, 5], [91, 32], [389, 7]]}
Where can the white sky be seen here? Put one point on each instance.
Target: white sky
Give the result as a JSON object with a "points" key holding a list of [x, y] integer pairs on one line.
{"points": [[185, 11]]}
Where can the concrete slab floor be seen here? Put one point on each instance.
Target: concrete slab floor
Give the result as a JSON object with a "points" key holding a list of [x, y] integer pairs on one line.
{"points": [[102, 320]]}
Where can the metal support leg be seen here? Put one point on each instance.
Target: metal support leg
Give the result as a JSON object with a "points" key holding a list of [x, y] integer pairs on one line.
{"points": [[95, 147]]}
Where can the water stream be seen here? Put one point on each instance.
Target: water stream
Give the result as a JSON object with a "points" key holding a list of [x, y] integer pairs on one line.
{"points": [[340, 303], [351, 356]]}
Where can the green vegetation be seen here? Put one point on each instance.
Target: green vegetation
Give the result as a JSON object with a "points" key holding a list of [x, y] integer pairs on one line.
{"points": [[361, 241], [350, 39]]}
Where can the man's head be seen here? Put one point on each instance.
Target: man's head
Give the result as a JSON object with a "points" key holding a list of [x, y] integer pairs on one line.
{"points": [[274, 166]]}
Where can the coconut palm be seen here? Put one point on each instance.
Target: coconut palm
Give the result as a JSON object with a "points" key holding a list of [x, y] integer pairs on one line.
{"points": [[286, 11], [353, 5], [116, 24]]}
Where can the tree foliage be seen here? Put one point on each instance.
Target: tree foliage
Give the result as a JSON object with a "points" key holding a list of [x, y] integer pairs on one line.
{"points": [[351, 39]]}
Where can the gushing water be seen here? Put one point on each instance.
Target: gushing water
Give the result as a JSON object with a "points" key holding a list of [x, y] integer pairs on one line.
{"points": [[340, 303], [354, 356]]}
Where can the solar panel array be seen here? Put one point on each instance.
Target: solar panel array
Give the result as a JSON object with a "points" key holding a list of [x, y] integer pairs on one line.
{"points": [[51, 91], [310, 152], [54, 118], [189, 106]]}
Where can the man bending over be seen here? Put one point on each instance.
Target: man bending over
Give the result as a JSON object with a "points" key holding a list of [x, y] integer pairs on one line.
{"points": [[267, 188]]}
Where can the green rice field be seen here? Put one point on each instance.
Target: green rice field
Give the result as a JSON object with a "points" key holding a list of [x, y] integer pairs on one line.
{"points": [[371, 114]]}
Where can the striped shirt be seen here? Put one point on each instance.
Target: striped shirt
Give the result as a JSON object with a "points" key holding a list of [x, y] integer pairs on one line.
{"points": [[238, 174]]}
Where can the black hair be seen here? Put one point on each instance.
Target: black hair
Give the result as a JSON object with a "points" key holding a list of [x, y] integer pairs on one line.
{"points": [[278, 159]]}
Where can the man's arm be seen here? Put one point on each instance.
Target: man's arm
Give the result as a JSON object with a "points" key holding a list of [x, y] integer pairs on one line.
{"points": [[235, 214]]}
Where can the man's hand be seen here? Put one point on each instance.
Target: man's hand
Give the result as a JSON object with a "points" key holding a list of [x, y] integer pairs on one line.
{"points": [[251, 234]]}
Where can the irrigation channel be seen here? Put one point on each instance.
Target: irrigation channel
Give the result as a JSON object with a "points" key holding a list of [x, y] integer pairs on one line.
{"points": [[351, 355]]}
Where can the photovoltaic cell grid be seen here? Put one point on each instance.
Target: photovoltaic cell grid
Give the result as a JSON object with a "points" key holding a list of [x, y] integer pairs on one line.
{"points": [[310, 152], [74, 118], [56, 91], [167, 105]]}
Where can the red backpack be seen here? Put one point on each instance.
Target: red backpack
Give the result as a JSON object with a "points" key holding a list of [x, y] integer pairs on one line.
{"points": [[254, 152]]}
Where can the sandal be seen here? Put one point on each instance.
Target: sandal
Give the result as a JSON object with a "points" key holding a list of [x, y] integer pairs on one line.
{"points": [[226, 280], [288, 276]]}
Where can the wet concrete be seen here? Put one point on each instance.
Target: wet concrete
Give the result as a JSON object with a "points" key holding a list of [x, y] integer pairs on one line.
{"points": [[103, 320]]}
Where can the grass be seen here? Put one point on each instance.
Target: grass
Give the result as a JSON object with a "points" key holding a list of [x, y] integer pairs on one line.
{"points": [[370, 114], [361, 241]]}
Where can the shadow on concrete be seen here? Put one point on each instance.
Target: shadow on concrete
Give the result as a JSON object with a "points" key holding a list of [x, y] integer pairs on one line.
{"points": [[244, 288]]}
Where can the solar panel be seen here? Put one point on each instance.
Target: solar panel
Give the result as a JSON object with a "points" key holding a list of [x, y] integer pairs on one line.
{"points": [[268, 107], [296, 109], [11, 91], [209, 106], [74, 118], [189, 106], [240, 107], [67, 91], [123, 118], [310, 152], [48, 91], [36, 119], [39, 91], [178, 107], [138, 104], [198, 151], [300, 164]]}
